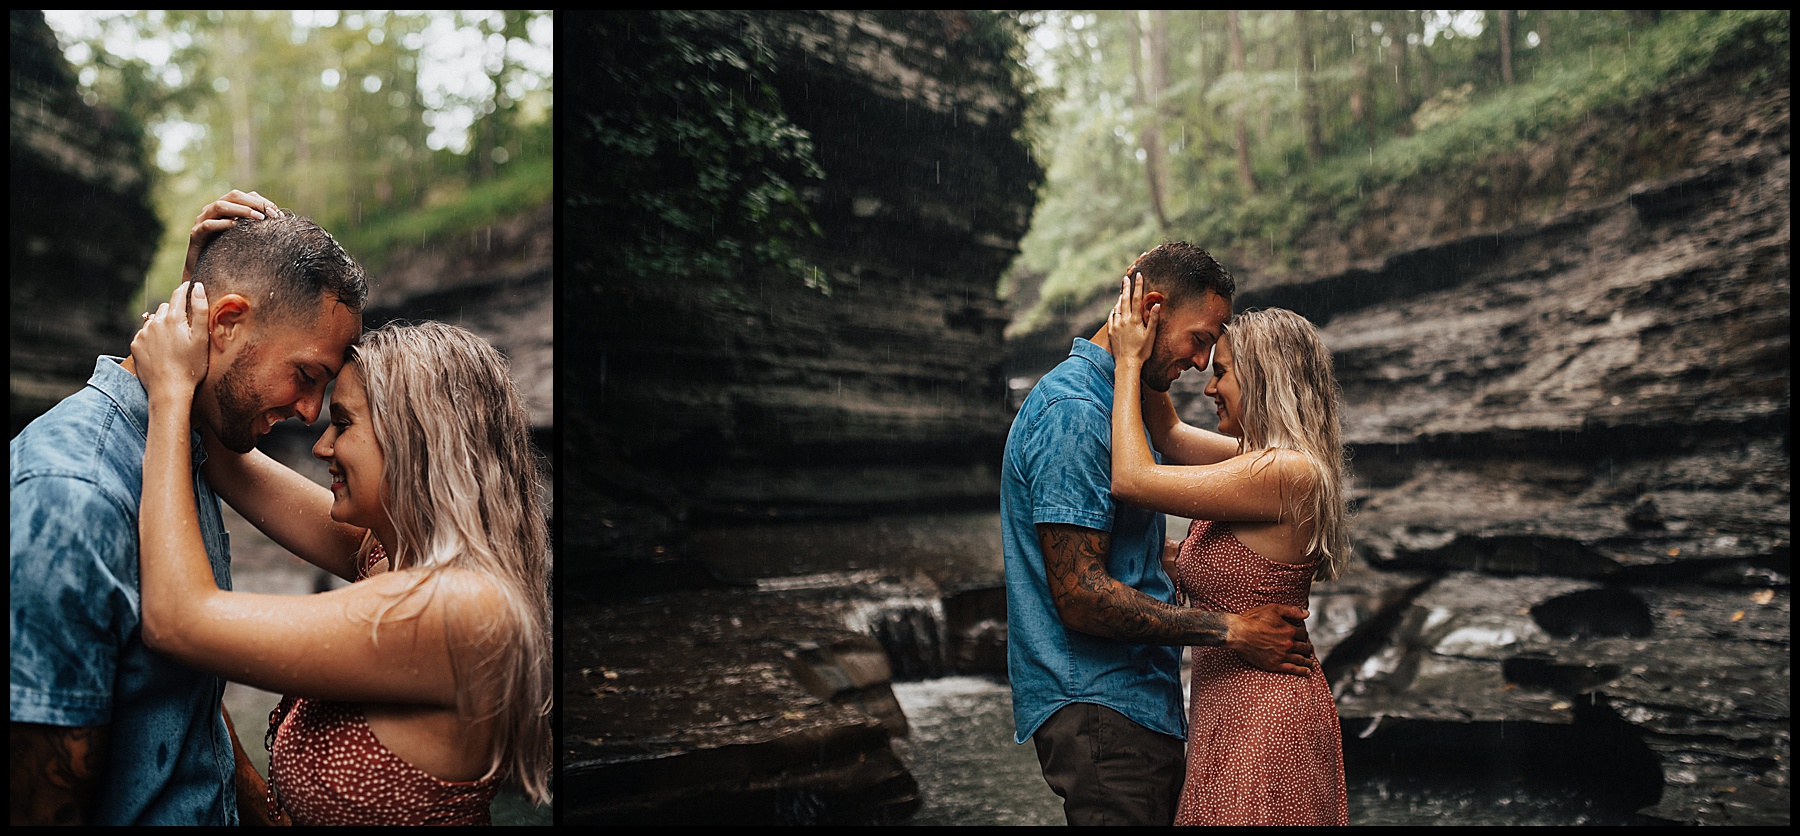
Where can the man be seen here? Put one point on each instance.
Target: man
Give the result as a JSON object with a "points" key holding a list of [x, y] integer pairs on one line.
{"points": [[104, 731], [1093, 638]]}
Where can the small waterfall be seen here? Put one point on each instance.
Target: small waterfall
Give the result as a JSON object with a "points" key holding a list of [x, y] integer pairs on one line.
{"points": [[912, 628]]}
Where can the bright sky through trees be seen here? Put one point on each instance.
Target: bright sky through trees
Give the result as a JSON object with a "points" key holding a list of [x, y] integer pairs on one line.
{"points": [[455, 64]]}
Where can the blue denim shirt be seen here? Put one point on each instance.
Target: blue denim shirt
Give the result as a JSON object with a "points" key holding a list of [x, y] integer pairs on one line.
{"points": [[78, 658], [1058, 469]]}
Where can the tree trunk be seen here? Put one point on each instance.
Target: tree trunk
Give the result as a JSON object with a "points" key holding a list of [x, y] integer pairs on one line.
{"points": [[1401, 24], [243, 130], [1309, 92], [1147, 100], [1506, 48], [1361, 96], [1200, 142], [1243, 133], [1427, 71]]}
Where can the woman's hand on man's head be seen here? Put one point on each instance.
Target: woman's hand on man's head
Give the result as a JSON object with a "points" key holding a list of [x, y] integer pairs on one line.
{"points": [[1132, 324]]}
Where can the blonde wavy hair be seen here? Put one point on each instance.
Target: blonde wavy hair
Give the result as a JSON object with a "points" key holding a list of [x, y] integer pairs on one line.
{"points": [[1290, 401], [463, 484]]}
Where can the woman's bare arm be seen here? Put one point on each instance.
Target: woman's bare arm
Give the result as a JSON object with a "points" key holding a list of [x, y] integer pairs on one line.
{"points": [[291, 509], [323, 645], [1178, 441], [1249, 487]]}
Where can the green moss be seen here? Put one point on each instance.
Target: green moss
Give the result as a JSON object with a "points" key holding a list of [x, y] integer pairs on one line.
{"points": [[523, 186]]}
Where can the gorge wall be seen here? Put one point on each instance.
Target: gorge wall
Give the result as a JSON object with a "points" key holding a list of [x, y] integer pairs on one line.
{"points": [[494, 280], [873, 382], [83, 229], [1578, 428], [1571, 451]]}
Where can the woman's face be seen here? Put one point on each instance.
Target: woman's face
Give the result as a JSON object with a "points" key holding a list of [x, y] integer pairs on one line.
{"points": [[358, 496], [1224, 390]]}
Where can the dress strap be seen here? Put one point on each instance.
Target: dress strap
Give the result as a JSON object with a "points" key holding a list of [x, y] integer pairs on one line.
{"points": [[377, 554]]}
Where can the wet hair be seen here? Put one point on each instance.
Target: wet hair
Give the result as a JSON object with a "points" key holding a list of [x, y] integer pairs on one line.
{"points": [[1183, 272], [283, 265], [463, 483], [1291, 400]]}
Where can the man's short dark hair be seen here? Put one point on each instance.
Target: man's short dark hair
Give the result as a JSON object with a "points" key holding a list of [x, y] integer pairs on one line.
{"points": [[284, 264], [1183, 271]]}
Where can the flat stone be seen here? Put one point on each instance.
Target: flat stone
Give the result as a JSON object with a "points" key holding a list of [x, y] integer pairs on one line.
{"points": [[726, 706]]}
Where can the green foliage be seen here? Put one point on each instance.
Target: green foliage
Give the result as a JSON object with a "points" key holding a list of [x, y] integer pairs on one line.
{"points": [[1565, 93], [326, 113], [1095, 215], [680, 151], [454, 211]]}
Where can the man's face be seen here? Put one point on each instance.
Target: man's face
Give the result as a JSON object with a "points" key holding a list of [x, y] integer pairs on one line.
{"points": [[1184, 339], [263, 372]]}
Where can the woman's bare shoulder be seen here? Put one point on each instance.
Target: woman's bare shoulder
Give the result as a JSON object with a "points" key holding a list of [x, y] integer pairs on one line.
{"points": [[457, 594], [1288, 464], [473, 599]]}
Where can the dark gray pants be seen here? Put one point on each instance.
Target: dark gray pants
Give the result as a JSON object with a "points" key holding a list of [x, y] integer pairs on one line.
{"points": [[1108, 769]]}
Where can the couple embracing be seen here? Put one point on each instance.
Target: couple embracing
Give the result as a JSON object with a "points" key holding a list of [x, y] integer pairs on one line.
{"points": [[1100, 603], [413, 694]]}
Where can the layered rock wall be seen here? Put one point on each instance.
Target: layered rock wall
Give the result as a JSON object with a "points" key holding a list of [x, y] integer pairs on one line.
{"points": [[875, 381], [494, 280], [1571, 445], [83, 229], [1571, 439]]}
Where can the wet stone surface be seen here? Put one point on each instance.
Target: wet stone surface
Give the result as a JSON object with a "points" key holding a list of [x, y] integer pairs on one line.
{"points": [[1692, 704], [727, 706]]}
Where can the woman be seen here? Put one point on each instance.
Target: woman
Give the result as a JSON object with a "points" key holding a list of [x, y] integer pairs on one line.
{"points": [[420, 690], [1263, 748]]}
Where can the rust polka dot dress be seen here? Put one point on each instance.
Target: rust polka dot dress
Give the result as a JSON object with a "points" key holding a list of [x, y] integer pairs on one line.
{"points": [[326, 767], [1263, 748], [329, 768]]}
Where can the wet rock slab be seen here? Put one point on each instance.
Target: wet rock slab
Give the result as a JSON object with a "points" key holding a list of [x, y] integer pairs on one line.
{"points": [[1673, 700], [727, 707]]}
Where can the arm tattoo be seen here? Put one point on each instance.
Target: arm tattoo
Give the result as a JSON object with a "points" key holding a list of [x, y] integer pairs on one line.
{"points": [[1092, 601], [56, 773]]}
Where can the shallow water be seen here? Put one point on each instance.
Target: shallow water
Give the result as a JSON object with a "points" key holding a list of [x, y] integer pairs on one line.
{"points": [[961, 751]]}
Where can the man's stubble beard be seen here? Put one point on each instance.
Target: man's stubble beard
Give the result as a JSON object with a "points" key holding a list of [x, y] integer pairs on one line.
{"points": [[1154, 374], [236, 403]]}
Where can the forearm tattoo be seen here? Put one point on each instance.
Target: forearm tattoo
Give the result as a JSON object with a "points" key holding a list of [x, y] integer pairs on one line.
{"points": [[56, 773], [1091, 600]]}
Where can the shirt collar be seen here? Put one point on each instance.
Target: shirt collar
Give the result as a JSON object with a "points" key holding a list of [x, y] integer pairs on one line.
{"points": [[1101, 359], [124, 388]]}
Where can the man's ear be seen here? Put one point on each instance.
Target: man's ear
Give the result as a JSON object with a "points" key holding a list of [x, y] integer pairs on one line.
{"points": [[1154, 298], [230, 320]]}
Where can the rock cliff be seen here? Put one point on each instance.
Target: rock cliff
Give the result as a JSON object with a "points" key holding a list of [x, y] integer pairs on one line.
{"points": [[83, 229], [876, 380], [1578, 426], [873, 382], [1572, 463], [494, 280]]}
